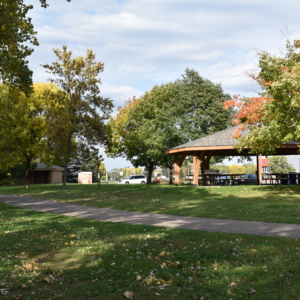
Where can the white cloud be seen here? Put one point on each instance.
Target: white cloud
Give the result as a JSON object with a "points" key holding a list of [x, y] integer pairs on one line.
{"points": [[149, 42]]}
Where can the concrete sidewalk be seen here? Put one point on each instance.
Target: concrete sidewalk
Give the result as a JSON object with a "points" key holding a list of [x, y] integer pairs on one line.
{"points": [[114, 215]]}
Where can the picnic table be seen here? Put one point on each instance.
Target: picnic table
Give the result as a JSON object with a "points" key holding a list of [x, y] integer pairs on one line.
{"points": [[232, 179], [283, 178], [221, 178]]}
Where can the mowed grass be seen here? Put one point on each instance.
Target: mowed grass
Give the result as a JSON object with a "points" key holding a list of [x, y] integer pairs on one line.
{"points": [[45, 256], [257, 203]]}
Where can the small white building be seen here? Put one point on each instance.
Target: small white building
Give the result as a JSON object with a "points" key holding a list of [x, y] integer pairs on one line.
{"points": [[85, 177]]}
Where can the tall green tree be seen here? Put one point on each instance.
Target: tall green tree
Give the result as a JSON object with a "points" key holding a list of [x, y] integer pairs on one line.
{"points": [[280, 164], [23, 126], [141, 131], [82, 113], [167, 116], [197, 109], [16, 34]]}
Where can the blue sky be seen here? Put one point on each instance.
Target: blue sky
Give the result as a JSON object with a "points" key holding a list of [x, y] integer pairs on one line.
{"points": [[143, 43]]}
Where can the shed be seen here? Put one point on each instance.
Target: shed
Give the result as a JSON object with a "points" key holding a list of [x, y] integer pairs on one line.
{"points": [[43, 174]]}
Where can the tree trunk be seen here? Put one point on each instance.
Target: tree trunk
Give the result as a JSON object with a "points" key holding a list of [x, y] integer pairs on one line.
{"points": [[150, 171], [64, 186], [27, 172], [171, 174]]}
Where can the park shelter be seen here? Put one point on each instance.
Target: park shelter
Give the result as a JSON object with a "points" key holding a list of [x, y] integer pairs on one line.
{"points": [[218, 144], [43, 174]]}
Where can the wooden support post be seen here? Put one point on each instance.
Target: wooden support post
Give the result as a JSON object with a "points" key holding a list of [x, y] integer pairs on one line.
{"points": [[257, 170], [196, 167], [197, 161], [260, 169], [177, 168]]}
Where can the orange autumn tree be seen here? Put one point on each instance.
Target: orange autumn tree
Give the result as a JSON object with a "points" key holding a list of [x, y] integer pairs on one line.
{"points": [[273, 118]]}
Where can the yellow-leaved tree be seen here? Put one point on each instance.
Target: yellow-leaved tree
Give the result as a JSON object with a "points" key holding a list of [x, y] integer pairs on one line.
{"points": [[23, 126]]}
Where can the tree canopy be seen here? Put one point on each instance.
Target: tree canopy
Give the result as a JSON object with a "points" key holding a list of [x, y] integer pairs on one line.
{"points": [[16, 34], [167, 116], [280, 164], [197, 108], [23, 126], [274, 118]]}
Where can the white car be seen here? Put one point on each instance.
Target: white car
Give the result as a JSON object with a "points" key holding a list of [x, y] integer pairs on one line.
{"points": [[142, 179]]}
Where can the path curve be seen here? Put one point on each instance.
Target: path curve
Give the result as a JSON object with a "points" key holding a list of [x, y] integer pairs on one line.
{"points": [[171, 221]]}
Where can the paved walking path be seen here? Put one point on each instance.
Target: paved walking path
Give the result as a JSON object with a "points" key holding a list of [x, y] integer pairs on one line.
{"points": [[114, 215]]}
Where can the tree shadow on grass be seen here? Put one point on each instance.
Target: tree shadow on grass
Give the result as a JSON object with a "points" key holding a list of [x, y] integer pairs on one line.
{"points": [[68, 258]]}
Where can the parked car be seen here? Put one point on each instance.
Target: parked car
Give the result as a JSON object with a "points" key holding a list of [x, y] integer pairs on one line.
{"points": [[142, 179], [248, 179]]}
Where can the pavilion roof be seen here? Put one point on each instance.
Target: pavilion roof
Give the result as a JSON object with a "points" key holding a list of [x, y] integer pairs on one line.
{"points": [[220, 138]]}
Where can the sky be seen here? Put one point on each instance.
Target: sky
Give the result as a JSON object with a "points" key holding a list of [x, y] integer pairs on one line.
{"points": [[143, 43]]}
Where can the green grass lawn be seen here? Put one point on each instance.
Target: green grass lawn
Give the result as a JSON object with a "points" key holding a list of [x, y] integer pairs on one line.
{"points": [[45, 256], [257, 203]]}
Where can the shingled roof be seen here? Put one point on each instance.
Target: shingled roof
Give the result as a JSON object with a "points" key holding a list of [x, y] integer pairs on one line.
{"points": [[221, 138], [42, 166]]}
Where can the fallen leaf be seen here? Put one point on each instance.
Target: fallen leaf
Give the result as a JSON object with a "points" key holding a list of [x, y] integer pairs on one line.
{"points": [[128, 294]]}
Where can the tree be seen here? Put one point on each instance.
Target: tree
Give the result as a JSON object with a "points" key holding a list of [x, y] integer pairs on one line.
{"points": [[131, 171], [102, 171], [16, 32], [74, 167], [166, 116], [274, 118], [250, 168], [279, 164], [197, 108], [221, 168], [85, 160], [141, 131], [236, 169], [90, 160], [81, 111], [23, 126]]}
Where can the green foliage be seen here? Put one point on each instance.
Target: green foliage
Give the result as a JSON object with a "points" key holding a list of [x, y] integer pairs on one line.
{"points": [[141, 131], [221, 168], [81, 112], [23, 126], [279, 164], [16, 32], [236, 169], [197, 109], [86, 160], [102, 171], [131, 171], [250, 168], [167, 116], [279, 122]]}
